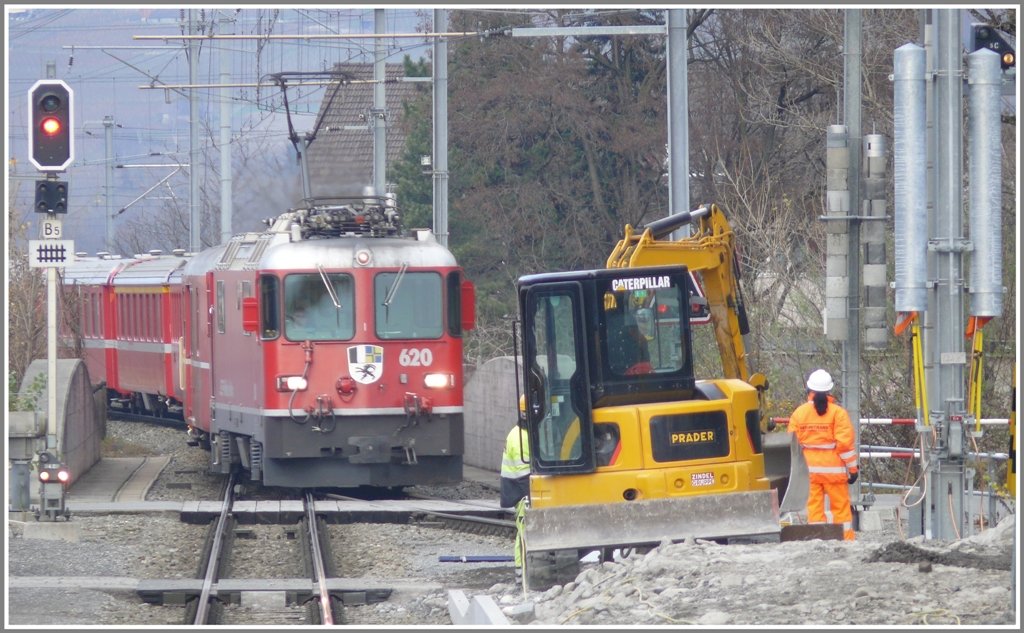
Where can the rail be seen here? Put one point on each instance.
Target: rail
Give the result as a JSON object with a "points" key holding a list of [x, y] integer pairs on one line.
{"points": [[203, 605], [319, 569]]}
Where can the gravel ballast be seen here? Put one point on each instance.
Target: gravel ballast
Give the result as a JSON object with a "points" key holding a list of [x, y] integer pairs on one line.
{"points": [[156, 546]]}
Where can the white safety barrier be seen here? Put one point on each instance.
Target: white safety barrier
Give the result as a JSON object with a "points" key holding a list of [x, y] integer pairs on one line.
{"points": [[906, 421]]}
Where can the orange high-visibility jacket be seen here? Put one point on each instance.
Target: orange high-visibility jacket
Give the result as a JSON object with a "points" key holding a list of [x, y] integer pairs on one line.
{"points": [[827, 441]]}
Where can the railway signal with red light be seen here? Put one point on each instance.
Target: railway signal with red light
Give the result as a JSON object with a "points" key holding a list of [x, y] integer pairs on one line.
{"points": [[51, 143]]}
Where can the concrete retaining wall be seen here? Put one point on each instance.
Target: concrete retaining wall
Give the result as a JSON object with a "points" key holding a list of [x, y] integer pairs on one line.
{"points": [[80, 422], [490, 412]]}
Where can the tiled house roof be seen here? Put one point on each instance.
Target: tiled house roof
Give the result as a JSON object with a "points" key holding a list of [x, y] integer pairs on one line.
{"points": [[341, 160]]}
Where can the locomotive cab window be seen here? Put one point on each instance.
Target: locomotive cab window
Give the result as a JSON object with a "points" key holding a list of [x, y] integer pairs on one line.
{"points": [[318, 307], [408, 305]]}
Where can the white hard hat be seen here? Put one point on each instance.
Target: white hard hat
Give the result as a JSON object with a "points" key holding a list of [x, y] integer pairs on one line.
{"points": [[820, 380]]}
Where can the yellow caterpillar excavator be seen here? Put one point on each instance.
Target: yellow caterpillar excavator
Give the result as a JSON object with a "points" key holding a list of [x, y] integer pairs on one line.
{"points": [[628, 447]]}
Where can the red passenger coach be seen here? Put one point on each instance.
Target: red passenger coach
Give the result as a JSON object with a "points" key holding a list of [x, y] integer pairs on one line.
{"points": [[129, 318], [323, 352]]}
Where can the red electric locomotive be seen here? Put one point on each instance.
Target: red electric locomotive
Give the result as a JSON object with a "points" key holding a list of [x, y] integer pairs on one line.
{"points": [[325, 351]]}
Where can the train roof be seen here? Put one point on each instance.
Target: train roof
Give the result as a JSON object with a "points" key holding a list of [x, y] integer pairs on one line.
{"points": [[280, 251], [142, 270], [419, 250], [91, 270]]}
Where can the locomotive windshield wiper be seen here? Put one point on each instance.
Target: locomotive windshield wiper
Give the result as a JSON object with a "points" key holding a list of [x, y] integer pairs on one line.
{"points": [[330, 288], [394, 289]]}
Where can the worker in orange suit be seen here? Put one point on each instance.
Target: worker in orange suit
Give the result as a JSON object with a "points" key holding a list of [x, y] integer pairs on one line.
{"points": [[827, 438]]}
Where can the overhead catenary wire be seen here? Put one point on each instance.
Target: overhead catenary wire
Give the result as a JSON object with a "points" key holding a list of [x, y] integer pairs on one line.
{"points": [[311, 36]]}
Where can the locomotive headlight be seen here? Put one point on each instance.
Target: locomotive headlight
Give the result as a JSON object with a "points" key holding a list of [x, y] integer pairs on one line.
{"points": [[438, 381], [292, 383]]}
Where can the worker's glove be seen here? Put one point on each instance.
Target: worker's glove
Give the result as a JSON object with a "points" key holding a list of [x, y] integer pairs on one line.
{"points": [[852, 478]]}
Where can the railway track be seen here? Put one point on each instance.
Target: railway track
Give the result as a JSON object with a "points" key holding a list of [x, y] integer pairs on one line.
{"points": [[128, 416], [208, 608], [457, 522]]}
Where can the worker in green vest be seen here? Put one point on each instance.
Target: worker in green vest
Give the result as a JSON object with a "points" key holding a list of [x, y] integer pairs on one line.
{"points": [[515, 476]]}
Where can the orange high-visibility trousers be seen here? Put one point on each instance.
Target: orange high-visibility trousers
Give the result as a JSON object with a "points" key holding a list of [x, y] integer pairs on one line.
{"points": [[839, 503]]}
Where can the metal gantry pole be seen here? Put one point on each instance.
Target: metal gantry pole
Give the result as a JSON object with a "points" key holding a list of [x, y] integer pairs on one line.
{"points": [[946, 481], [852, 36], [195, 221], [678, 108], [378, 113], [440, 150], [225, 148], [108, 191]]}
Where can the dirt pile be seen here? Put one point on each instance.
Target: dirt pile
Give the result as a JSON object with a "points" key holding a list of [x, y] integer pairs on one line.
{"points": [[876, 580]]}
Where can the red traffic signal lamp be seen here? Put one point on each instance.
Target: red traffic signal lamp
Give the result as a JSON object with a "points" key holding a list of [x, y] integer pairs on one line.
{"points": [[51, 141]]}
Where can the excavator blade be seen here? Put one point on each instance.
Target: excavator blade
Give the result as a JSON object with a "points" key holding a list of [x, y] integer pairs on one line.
{"points": [[786, 469], [733, 517]]}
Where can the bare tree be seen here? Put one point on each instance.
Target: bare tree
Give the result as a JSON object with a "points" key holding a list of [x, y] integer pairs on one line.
{"points": [[26, 291], [264, 184]]}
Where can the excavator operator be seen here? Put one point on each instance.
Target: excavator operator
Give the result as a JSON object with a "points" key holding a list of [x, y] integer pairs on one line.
{"points": [[628, 347]]}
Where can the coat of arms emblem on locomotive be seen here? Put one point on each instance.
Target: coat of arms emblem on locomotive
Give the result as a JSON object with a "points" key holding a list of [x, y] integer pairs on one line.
{"points": [[366, 363]]}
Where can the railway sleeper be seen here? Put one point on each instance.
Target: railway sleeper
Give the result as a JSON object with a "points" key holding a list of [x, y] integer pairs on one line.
{"points": [[297, 591]]}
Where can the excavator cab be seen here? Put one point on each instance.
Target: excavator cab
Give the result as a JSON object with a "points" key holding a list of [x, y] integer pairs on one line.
{"points": [[595, 339]]}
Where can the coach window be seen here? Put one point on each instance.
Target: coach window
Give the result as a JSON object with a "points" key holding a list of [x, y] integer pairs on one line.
{"points": [[84, 298], [319, 307], [133, 322], [270, 320], [97, 315], [160, 304], [220, 306], [408, 305]]}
